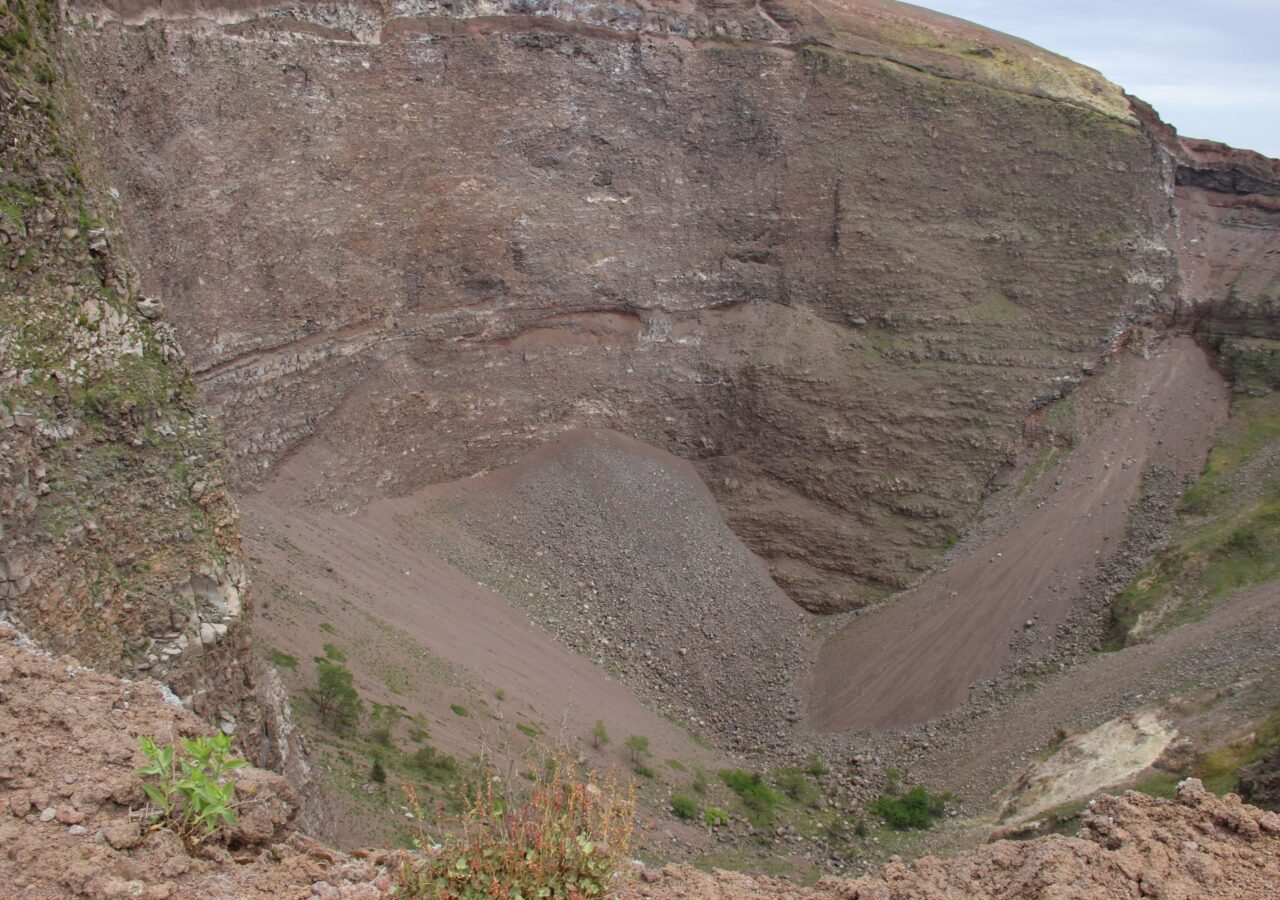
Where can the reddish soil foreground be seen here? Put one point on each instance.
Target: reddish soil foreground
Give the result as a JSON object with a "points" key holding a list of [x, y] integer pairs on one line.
{"points": [[1195, 847], [916, 658], [70, 827]]}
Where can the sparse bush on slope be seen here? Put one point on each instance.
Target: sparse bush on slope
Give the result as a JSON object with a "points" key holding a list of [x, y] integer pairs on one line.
{"points": [[567, 839]]}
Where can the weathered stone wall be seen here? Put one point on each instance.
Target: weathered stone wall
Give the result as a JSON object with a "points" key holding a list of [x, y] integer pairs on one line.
{"points": [[118, 541]]}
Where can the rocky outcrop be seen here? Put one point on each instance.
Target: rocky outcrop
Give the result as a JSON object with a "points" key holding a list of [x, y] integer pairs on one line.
{"points": [[835, 253], [119, 543], [1260, 782], [73, 820], [1227, 208]]}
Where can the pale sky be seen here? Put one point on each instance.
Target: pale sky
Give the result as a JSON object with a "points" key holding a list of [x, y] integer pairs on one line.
{"points": [[1210, 67]]}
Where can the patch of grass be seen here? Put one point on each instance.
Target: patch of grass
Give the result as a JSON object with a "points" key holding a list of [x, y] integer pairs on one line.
{"points": [[757, 797], [529, 731], [332, 652], [282, 660], [644, 771], [459, 710], [327, 628], [676, 765], [815, 767], [714, 815]]}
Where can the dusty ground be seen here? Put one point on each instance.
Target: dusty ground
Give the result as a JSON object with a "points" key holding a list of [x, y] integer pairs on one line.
{"points": [[421, 635]]}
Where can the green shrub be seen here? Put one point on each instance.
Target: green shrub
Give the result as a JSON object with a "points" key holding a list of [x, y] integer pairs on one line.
{"points": [[569, 838], [459, 709], [335, 697], [434, 765], [644, 771], [793, 783], [529, 731], [599, 735], [377, 774], [192, 792], [637, 747], [381, 736], [333, 652], [714, 815], [684, 807], [917, 808], [815, 767], [755, 795], [327, 628]]}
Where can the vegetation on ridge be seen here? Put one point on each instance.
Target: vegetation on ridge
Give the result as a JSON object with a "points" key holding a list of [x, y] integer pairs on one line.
{"points": [[1228, 536]]}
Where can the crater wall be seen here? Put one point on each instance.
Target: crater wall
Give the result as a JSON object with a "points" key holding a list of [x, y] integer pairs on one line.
{"points": [[834, 254]]}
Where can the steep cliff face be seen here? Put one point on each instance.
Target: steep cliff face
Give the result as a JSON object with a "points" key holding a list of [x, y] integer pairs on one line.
{"points": [[118, 541], [834, 253], [1228, 204]]}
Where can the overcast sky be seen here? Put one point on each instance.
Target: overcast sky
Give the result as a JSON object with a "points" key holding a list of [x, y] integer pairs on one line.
{"points": [[1211, 67]]}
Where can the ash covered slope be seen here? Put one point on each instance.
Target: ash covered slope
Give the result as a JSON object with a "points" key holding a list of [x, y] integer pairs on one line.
{"points": [[621, 551], [834, 253]]}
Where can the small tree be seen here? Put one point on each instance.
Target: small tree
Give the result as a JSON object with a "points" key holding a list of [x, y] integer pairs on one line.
{"points": [[599, 735], [637, 747], [336, 698], [377, 774]]}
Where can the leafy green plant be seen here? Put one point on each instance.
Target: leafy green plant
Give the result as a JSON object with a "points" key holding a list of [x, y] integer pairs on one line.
{"points": [[191, 791], [568, 838], [714, 815], [334, 652], [684, 807], [459, 709], [756, 796], [377, 774], [599, 735]]}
